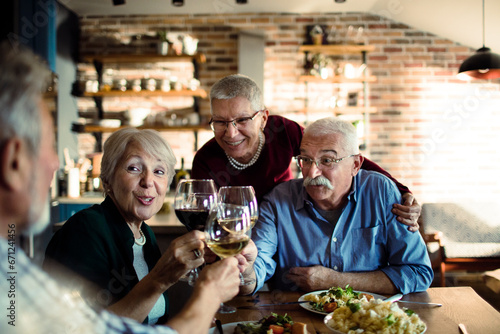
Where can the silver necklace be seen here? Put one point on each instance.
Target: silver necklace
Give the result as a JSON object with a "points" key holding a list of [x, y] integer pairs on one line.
{"points": [[238, 165], [142, 240]]}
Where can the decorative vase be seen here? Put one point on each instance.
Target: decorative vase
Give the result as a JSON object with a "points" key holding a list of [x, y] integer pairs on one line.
{"points": [[162, 48]]}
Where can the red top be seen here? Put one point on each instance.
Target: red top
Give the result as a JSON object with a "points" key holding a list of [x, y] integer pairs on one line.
{"points": [[283, 138]]}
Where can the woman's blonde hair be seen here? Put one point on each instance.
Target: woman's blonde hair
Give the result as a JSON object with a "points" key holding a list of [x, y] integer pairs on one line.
{"points": [[151, 142]]}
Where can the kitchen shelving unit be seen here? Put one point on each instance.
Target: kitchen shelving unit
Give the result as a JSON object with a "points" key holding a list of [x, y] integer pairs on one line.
{"points": [[101, 61], [341, 50]]}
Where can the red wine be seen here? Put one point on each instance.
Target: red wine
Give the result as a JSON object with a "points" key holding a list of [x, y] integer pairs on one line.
{"points": [[193, 219]]}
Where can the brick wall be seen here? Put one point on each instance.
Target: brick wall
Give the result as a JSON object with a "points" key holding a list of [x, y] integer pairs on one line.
{"points": [[434, 133]]}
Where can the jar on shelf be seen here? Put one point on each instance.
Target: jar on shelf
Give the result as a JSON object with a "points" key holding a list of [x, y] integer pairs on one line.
{"points": [[150, 84], [120, 84], [136, 85], [91, 85], [194, 84], [165, 85]]}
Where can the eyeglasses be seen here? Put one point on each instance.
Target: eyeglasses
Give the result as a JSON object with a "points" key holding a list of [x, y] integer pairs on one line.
{"points": [[238, 123], [322, 163]]}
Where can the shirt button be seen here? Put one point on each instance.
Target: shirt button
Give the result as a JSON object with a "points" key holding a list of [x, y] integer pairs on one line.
{"points": [[334, 239], [335, 268]]}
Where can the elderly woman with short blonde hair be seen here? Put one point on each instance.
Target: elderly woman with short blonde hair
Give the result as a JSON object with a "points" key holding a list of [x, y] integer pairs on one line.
{"points": [[112, 247]]}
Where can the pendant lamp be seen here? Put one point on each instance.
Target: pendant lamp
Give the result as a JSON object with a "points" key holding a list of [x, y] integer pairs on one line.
{"points": [[484, 64]]}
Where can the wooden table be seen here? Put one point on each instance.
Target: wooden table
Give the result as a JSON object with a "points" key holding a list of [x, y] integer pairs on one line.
{"points": [[460, 305]]}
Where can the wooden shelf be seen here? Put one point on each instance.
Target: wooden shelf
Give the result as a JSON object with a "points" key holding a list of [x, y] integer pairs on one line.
{"points": [[88, 128], [336, 79], [142, 58], [135, 61], [340, 49], [146, 93]]}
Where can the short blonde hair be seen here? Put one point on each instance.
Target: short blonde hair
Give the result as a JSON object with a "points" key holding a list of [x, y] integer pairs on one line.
{"points": [[150, 141]]}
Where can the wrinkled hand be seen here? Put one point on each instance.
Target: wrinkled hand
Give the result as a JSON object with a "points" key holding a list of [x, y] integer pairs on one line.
{"points": [[180, 258], [408, 212], [247, 257], [312, 278], [223, 277]]}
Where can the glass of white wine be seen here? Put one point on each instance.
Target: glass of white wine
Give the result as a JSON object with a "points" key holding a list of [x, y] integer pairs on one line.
{"points": [[227, 232], [241, 195]]}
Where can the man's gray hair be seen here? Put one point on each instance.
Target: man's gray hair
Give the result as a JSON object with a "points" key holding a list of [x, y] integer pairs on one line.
{"points": [[237, 85], [22, 80], [150, 141], [331, 125]]}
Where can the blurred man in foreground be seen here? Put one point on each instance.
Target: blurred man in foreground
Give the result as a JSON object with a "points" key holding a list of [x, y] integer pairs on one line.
{"points": [[35, 303]]}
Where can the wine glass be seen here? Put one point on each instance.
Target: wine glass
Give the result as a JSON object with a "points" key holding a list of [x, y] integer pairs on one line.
{"points": [[241, 195], [227, 232], [193, 201]]}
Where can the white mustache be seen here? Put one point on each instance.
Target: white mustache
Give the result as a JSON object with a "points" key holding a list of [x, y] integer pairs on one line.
{"points": [[318, 181]]}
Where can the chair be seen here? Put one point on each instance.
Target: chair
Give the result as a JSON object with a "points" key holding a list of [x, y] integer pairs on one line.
{"points": [[461, 236]]}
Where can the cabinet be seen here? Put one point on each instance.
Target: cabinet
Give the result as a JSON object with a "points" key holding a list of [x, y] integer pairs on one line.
{"points": [[127, 66], [353, 108]]}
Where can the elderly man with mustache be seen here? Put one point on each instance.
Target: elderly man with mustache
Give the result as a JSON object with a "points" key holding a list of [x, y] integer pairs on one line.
{"points": [[334, 227]]}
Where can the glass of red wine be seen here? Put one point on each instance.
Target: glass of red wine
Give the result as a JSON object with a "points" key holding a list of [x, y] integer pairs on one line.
{"points": [[193, 201]]}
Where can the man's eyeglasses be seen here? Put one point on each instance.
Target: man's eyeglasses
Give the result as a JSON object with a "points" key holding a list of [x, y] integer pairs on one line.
{"points": [[322, 163], [238, 123]]}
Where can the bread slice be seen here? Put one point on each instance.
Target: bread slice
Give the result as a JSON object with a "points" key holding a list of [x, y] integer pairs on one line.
{"points": [[299, 328]]}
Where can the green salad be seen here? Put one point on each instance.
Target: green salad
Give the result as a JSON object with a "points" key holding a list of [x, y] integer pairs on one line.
{"points": [[273, 323], [335, 297]]}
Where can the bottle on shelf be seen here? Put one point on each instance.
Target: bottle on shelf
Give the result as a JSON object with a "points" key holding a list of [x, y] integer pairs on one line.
{"points": [[182, 174]]}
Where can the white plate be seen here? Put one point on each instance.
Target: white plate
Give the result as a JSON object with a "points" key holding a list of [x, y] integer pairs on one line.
{"points": [[228, 328], [326, 319], [309, 307], [329, 316]]}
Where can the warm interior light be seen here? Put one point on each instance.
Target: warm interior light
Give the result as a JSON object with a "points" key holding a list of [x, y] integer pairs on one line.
{"points": [[178, 3], [484, 64]]}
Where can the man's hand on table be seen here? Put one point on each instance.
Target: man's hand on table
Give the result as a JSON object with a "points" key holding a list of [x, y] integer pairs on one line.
{"points": [[312, 278], [321, 278]]}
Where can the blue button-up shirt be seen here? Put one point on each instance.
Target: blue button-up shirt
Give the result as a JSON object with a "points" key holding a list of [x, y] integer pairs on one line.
{"points": [[367, 237]]}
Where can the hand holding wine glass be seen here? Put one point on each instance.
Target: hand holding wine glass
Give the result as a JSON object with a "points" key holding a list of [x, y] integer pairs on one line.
{"points": [[241, 195], [192, 204], [227, 232]]}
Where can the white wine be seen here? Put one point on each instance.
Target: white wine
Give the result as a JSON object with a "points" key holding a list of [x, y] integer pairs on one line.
{"points": [[235, 225], [253, 221], [228, 247]]}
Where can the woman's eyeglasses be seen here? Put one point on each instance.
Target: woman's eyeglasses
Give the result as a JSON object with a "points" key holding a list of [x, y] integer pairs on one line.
{"points": [[238, 123]]}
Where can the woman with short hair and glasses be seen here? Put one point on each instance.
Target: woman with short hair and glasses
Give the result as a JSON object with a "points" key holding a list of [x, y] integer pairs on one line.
{"points": [[251, 147]]}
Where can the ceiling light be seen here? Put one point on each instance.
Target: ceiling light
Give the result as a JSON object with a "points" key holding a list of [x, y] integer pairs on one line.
{"points": [[339, 1], [178, 3], [118, 2], [484, 64], [241, 2]]}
